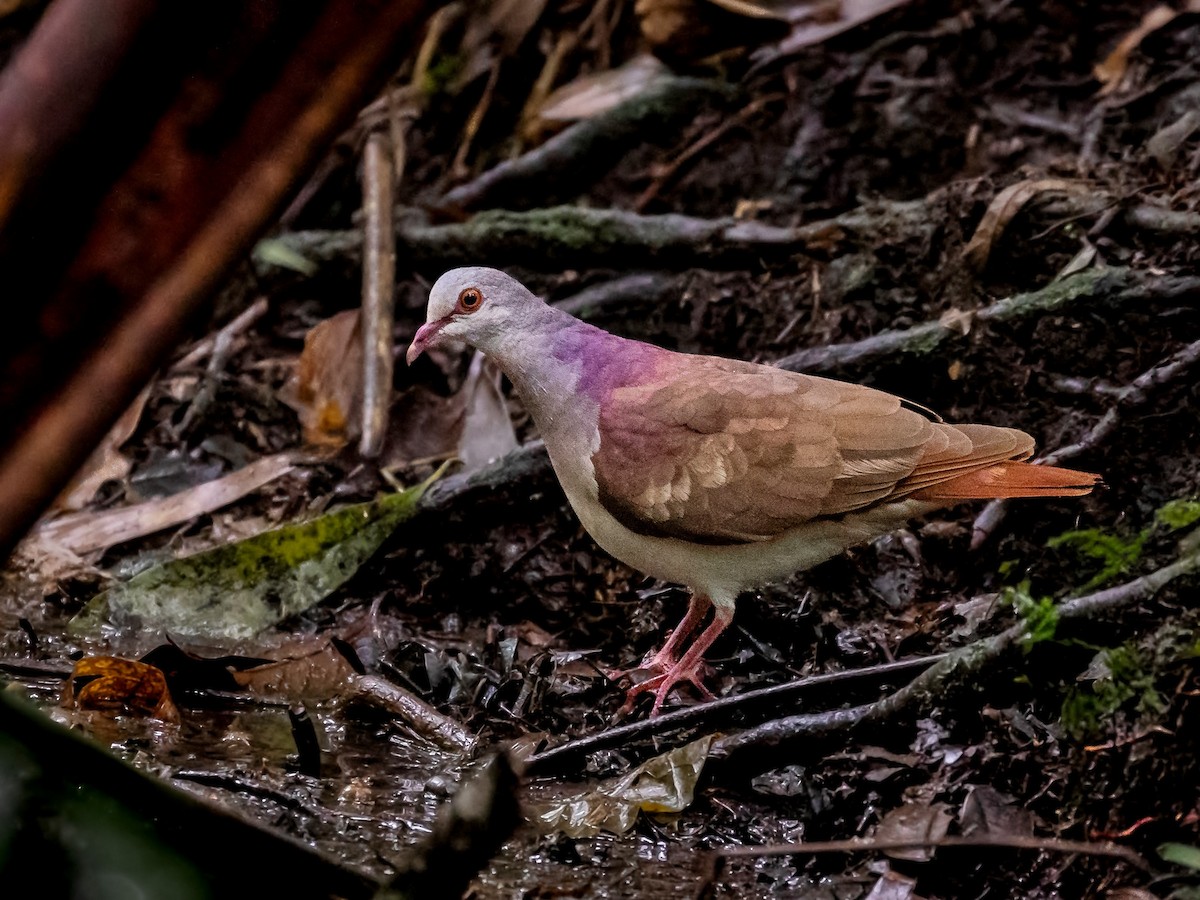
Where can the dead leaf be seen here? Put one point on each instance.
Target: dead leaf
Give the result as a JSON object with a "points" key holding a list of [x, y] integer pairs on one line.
{"points": [[106, 463], [313, 670], [1111, 72], [1001, 211], [120, 687], [473, 425], [813, 23], [512, 21], [986, 811], [423, 426], [759, 9], [487, 430], [1164, 144], [665, 783], [956, 319], [598, 92], [893, 886], [84, 532], [915, 821], [1082, 260], [327, 388], [688, 30]]}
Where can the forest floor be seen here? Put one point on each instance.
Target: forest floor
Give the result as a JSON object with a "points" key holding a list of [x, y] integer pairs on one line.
{"points": [[921, 167]]}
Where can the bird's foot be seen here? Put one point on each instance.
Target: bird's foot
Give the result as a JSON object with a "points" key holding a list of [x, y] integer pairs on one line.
{"points": [[689, 667], [657, 665], [661, 684]]}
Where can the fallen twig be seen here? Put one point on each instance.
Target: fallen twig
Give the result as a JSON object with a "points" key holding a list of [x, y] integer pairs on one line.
{"points": [[1134, 395], [574, 235], [930, 687], [583, 153], [1111, 287], [379, 279], [467, 833], [415, 712], [84, 532], [714, 712], [639, 288], [718, 858], [224, 337]]}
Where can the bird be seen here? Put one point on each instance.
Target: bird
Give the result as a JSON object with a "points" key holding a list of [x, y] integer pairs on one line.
{"points": [[718, 474]]}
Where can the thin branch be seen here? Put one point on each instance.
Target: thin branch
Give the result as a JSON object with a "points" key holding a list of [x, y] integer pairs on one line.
{"points": [[559, 236], [1110, 287], [378, 288], [585, 152], [713, 713], [418, 714], [719, 857]]}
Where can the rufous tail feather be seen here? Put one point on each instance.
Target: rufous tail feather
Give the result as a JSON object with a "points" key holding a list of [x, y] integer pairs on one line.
{"points": [[1011, 479]]}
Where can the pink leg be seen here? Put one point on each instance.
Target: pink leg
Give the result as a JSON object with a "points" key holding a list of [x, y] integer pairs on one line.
{"points": [[689, 668], [665, 658]]}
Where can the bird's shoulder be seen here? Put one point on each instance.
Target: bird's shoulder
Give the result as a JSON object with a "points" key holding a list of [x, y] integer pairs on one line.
{"points": [[719, 450]]}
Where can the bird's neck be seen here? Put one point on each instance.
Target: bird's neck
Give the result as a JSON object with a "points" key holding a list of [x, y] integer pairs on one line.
{"points": [[562, 367]]}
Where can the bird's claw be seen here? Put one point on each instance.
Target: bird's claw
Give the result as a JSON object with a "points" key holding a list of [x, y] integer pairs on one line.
{"points": [[662, 683]]}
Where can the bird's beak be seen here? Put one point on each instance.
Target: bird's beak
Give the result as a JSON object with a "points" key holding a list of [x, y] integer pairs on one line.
{"points": [[425, 338]]}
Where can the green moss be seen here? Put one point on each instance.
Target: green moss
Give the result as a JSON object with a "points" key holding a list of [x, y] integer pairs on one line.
{"points": [[1118, 553], [442, 72], [1038, 615], [1178, 514], [1128, 677]]}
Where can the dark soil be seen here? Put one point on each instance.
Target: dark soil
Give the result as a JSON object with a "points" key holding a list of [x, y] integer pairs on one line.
{"points": [[946, 104]]}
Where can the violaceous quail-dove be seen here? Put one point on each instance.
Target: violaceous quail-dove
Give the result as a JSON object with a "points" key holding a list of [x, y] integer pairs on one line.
{"points": [[718, 474]]}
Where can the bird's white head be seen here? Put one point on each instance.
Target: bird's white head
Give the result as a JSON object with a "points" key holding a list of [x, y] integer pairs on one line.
{"points": [[474, 304]]}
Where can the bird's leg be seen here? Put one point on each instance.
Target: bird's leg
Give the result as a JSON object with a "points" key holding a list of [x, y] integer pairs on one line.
{"points": [[690, 665], [665, 657], [689, 668], [697, 609]]}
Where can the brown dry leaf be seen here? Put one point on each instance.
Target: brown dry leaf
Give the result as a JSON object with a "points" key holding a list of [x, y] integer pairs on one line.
{"points": [[813, 23], [314, 669], [916, 821], [986, 811], [1003, 209], [423, 426], [512, 21], [597, 92], [473, 425], [1111, 72], [689, 30], [107, 462], [956, 319], [84, 532], [119, 686], [327, 389]]}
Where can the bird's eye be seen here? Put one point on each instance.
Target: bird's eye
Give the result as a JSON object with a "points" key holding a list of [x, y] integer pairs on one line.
{"points": [[470, 300]]}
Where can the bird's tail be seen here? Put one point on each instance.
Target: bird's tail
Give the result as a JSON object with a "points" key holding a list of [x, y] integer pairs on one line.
{"points": [[1011, 479]]}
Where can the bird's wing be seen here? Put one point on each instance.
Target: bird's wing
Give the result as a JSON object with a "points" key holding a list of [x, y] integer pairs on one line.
{"points": [[725, 451]]}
